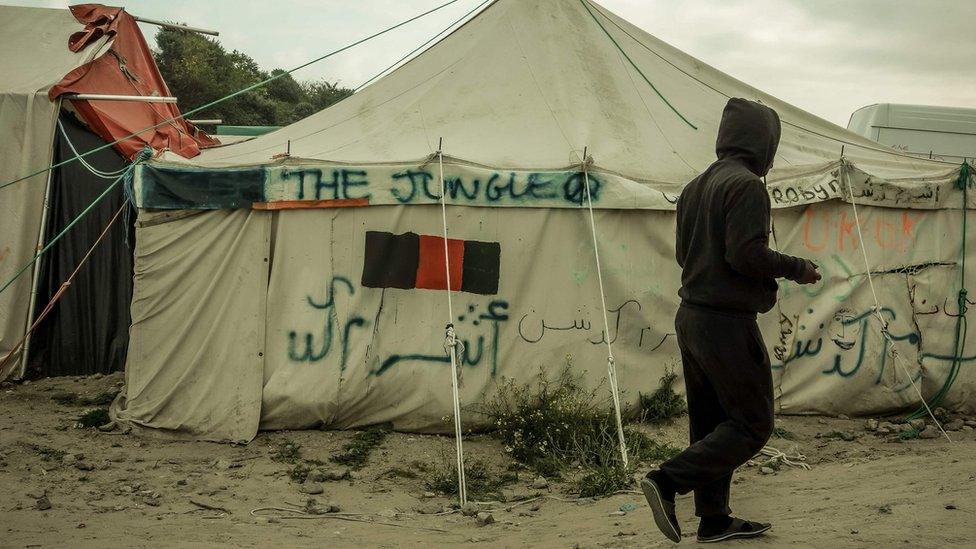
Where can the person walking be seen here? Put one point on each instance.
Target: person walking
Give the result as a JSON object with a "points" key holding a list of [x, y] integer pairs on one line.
{"points": [[728, 276]]}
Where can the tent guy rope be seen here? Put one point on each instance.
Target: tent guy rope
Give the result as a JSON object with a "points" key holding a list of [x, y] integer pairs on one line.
{"points": [[68, 227], [231, 95], [636, 68], [963, 182], [94, 171], [60, 291], [420, 47], [611, 367], [451, 342]]}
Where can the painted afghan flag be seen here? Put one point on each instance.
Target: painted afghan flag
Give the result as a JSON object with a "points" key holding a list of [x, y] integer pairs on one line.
{"points": [[412, 260]]}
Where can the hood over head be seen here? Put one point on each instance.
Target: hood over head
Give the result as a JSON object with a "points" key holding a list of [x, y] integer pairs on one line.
{"points": [[749, 131]]}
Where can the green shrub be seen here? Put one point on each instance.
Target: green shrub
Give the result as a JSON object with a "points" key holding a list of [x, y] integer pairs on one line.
{"points": [[557, 423], [663, 404]]}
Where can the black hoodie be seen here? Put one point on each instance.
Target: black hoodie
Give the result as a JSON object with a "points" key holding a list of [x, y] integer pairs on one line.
{"points": [[723, 226]]}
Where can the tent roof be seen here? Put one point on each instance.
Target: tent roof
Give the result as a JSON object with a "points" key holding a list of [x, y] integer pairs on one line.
{"points": [[35, 53], [527, 84]]}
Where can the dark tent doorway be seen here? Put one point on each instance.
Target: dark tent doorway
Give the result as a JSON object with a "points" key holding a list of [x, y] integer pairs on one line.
{"points": [[87, 331]]}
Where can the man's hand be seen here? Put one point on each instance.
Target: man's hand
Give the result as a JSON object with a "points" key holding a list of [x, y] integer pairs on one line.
{"points": [[810, 273]]}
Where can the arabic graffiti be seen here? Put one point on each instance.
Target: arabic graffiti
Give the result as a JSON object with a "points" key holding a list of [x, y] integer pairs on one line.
{"points": [[867, 190], [848, 331], [532, 328], [473, 353], [317, 348]]}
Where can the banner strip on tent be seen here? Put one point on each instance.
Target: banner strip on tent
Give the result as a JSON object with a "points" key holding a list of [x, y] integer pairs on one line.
{"points": [[309, 184]]}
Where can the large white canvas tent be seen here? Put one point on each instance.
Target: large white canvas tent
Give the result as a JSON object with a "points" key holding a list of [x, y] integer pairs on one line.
{"points": [[291, 280]]}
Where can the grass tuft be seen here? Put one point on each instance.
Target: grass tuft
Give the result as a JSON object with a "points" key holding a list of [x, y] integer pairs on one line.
{"points": [[663, 404], [479, 480], [286, 451], [603, 480], [356, 452], [94, 418]]}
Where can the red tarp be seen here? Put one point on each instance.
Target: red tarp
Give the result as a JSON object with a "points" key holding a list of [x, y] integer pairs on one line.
{"points": [[127, 68]]}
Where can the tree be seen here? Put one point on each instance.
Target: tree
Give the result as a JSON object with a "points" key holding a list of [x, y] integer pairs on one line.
{"points": [[198, 70]]}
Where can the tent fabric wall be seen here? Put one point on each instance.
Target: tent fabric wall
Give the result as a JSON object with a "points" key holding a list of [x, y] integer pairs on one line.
{"points": [[27, 120], [87, 332], [197, 334], [341, 354]]}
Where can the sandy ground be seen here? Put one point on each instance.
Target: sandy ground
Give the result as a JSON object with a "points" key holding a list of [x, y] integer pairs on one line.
{"points": [[128, 491]]}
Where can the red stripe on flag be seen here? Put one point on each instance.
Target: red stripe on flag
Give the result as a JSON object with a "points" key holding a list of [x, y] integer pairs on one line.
{"points": [[430, 269]]}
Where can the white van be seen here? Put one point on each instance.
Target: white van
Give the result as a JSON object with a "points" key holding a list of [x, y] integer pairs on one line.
{"points": [[942, 133]]}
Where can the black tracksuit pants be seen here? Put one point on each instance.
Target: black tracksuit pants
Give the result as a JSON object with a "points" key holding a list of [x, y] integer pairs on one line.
{"points": [[730, 402]]}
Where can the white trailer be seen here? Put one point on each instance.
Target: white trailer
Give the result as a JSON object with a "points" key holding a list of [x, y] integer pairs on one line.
{"points": [[943, 133]]}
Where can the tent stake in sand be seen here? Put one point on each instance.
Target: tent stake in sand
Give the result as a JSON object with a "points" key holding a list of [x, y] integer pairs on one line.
{"points": [[451, 342]]}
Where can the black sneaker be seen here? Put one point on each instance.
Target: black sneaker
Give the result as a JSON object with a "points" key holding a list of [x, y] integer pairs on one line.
{"points": [[737, 529], [662, 509]]}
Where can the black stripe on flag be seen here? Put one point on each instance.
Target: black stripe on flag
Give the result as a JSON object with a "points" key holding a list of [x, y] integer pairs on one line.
{"points": [[391, 260], [480, 267]]}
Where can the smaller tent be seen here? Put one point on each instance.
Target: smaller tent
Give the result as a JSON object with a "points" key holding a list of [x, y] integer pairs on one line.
{"points": [[89, 49]]}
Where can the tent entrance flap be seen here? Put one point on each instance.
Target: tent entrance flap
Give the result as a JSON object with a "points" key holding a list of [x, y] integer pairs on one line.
{"points": [[88, 330]]}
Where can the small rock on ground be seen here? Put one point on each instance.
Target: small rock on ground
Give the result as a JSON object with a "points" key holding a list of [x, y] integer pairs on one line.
{"points": [[485, 518], [930, 431], [954, 425], [42, 503]]}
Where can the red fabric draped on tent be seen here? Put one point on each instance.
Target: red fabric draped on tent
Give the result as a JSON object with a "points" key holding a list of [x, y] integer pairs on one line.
{"points": [[127, 69]]}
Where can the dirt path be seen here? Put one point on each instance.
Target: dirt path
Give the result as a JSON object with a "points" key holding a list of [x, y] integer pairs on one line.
{"points": [[141, 492]]}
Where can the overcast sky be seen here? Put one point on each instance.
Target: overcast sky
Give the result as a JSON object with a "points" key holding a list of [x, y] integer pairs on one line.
{"points": [[828, 57]]}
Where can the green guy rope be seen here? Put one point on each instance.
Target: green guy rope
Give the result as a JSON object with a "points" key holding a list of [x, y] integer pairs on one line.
{"points": [[66, 229], [144, 154], [962, 327], [232, 95], [632, 64]]}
